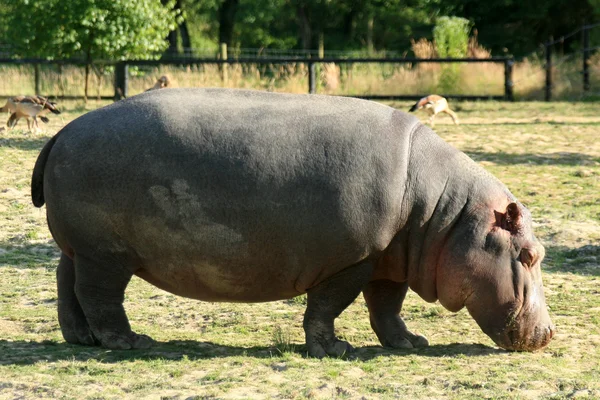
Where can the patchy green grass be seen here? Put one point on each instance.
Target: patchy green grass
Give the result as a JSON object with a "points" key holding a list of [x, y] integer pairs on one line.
{"points": [[548, 154]]}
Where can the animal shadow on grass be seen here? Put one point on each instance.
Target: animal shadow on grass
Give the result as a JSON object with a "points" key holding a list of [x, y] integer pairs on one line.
{"points": [[28, 353], [584, 260], [18, 253], [28, 141], [560, 158]]}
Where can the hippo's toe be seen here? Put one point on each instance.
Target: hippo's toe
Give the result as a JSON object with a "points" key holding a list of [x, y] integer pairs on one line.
{"points": [[132, 340], [338, 348], [406, 341], [79, 335]]}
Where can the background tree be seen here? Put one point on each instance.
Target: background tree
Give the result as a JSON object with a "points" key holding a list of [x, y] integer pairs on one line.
{"points": [[180, 31], [519, 27], [227, 12], [451, 36], [90, 29]]}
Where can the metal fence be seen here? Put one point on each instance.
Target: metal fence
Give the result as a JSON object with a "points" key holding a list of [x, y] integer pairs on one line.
{"points": [[121, 72], [560, 74]]}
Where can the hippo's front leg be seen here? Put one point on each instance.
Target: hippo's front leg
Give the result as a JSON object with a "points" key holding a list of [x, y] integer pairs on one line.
{"points": [[384, 300], [325, 302]]}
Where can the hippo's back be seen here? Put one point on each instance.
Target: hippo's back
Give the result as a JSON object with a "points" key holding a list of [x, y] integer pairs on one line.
{"points": [[240, 183]]}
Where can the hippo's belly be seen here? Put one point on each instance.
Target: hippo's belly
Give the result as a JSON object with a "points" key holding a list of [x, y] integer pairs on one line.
{"points": [[214, 283], [238, 262]]}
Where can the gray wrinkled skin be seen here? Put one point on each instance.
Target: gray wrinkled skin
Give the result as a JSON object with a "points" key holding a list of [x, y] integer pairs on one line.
{"points": [[244, 196]]}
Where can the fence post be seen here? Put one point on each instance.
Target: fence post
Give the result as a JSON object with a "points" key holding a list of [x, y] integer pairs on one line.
{"points": [[121, 77], [508, 82], [37, 77], [312, 78], [548, 96], [224, 69], [586, 59]]}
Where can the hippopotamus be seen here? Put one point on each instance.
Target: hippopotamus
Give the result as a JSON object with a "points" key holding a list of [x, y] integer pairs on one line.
{"points": [[229, 195]]}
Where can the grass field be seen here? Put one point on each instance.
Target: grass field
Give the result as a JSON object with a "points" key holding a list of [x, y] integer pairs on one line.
{"points": [[548, 154]]}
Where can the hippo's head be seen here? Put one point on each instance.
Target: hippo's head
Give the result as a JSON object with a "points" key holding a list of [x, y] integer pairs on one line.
{"points": [[491, 265]]}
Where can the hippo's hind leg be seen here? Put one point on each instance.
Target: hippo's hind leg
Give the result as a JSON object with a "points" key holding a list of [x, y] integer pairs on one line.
{"points": [[73, 324], [384, 300], [325, 302], [100, 288]]}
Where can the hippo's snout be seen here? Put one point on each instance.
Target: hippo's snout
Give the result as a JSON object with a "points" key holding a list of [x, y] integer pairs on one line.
{"points": [[517, 340]]}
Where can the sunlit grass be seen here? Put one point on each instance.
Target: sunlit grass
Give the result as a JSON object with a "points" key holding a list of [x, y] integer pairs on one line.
{"points": [[547, 154]]}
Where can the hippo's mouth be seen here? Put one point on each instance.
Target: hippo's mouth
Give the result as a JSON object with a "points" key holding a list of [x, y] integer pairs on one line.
{"points": [[516, 340], [520, 335]]}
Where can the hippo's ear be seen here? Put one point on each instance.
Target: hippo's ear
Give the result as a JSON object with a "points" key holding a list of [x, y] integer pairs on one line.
{"points": [[528, 257], [510, 220]]}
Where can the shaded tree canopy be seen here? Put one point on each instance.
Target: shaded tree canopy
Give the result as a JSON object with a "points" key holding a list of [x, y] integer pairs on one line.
{"points": [[514, 26]]}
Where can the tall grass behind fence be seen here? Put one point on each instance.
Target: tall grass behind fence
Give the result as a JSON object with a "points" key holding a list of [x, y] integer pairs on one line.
{"points": [[573, 74], [343, 79], [354, 79]]}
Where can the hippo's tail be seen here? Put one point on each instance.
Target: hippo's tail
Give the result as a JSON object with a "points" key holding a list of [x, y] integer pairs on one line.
{"points": [[37, 179]]}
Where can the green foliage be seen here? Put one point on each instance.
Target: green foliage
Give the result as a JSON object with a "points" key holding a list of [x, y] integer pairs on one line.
{"points": [[262, 23], [137, 29], [451, 35], [97, 29]]}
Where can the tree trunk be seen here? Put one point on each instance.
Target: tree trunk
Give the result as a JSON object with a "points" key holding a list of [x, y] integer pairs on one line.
{"points": [[370, 26], [172, 39], [227, 20], [185, 37], [349, 25], [183, 31], [304, 25]]}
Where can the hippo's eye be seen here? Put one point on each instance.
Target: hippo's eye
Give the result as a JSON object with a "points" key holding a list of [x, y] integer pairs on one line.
{"points": [[527, 257]]}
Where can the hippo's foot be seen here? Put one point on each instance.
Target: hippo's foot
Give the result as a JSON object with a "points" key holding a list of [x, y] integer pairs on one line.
{"points": [[73, 324], [398, 337], [74, 327], [334, 348], [384, 299], [125, 341], [99, 302], [325, 302]]}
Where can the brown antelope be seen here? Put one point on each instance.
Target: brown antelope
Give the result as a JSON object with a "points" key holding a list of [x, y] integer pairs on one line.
{"points": [[434, 105], [28, 107], [161, 83]]}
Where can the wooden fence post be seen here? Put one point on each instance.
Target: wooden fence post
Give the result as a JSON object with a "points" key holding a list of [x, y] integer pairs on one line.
{"points": [[586, 58], [312, 78], [224, 69], [121, 77], [548, 96], [508, 82], [37, 77], [321, 45]]}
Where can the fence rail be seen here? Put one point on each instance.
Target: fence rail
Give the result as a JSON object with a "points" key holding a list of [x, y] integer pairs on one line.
{"points": [[121, 71]]}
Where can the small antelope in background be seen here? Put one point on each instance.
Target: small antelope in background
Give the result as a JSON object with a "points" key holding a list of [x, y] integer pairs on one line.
{"points": [[161, 83], [28, 107], [434, 105]]}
